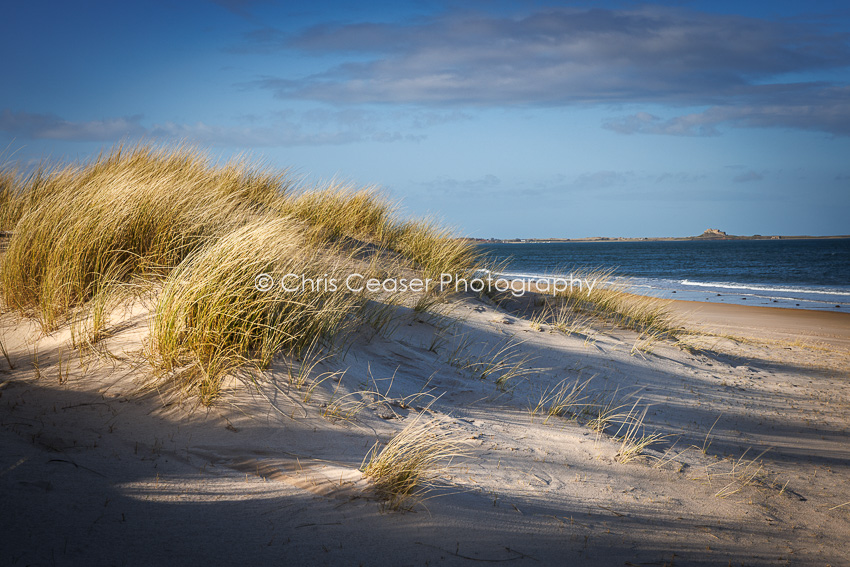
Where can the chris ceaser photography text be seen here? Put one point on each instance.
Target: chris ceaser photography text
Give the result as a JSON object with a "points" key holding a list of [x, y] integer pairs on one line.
{"points": [[356, 283]]}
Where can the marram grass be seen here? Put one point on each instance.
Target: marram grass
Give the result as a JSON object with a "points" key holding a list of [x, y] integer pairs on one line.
{"points": [[127, 213], [363, 214], [610, 301], [210, 308], [411, 463], [340, 210], [199, 233]]}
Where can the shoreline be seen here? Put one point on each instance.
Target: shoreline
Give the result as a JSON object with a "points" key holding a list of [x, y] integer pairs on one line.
{"points": [[764, 323], [780, 303], [650, 239], [772, 323]]}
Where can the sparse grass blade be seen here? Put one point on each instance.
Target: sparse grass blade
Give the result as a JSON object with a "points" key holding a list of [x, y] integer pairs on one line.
{"points": [[634, 440], [610, 301], [563, 400]]}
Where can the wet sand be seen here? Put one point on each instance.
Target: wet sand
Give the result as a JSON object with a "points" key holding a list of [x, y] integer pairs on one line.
{"points": [[771, 323]]}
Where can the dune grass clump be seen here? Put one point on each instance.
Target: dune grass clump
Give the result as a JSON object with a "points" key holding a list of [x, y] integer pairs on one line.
{"points": [[143, 210], [20, 193], [436, 251], [743, 473], [634, 439], [365, 215], [224, 305], [340, 210], [198, 234], [9, 199], [130, 212], [610, 301], [562, 316], [504, 362], [565, 399], [410, 464], [90, 323]]}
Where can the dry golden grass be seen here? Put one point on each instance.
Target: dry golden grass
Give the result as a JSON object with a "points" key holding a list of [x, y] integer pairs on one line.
{"points": [[503, 362], [410, 464], [131, 212], [575, 310], [199, 234], [742, 473], [565, 399], [210, 309], [435, 250], [600, 412], [632, 437], [8, 199], [20, 193], [341, 210]]}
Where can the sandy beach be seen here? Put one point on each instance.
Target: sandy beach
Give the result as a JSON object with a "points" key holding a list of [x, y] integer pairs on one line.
{"points": [[425, 284], [752, 468], [770, 323]]}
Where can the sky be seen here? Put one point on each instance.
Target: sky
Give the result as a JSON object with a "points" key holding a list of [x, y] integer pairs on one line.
{"points": [[503, 119]]}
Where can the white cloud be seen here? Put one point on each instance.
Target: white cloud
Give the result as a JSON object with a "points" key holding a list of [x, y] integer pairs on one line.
{"points": [[748, 177], [52, 127], [728, 63], [283, 129]]}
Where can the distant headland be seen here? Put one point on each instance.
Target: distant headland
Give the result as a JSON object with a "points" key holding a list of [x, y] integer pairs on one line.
{"points": [[708, 234]]}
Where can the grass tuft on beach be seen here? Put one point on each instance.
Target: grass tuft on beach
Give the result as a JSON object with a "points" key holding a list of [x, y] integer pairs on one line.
{"points": [[410, 464], [198, 233], [574, 310]]}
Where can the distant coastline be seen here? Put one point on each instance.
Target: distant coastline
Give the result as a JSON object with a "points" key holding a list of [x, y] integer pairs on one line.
{"points": [[710, 234]]}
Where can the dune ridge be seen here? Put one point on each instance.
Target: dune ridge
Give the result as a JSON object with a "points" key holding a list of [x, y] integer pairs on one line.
{"points": [[157, 404]]}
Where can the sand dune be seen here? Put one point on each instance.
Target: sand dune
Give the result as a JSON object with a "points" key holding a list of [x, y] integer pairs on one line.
{"points": [[97, 470]]}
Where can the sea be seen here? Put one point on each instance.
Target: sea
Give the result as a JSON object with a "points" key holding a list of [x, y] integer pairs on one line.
{"points": [[790, 273]]}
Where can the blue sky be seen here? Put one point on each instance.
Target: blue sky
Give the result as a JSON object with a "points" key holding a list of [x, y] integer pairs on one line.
{"points": [[501, 118]]}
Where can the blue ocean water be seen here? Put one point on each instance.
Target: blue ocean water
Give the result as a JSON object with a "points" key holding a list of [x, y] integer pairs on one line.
{"points": [[801, 274]]}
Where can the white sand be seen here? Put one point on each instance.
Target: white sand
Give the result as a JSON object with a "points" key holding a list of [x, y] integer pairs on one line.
{"points": [[93, 472]]}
